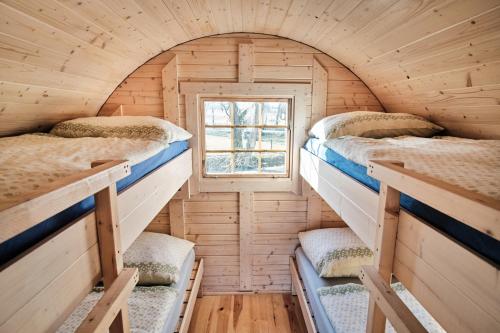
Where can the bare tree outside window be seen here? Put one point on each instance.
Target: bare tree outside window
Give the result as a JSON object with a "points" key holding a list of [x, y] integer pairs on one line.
{"points": [[246, 137]]}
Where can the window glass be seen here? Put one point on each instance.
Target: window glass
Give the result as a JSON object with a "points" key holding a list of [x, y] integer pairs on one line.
{"points": [[246, 137]]}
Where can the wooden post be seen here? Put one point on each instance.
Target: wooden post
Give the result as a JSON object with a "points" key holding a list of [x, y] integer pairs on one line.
{"points": [[245, 62], [170, 87], [387, 223], [313, 210], [108, 232], [176, 212], [246, 217], [319, 92]]}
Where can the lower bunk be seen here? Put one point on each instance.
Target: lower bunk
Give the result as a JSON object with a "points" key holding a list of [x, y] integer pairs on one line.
{"points": [[340, 304], [154, 308]]}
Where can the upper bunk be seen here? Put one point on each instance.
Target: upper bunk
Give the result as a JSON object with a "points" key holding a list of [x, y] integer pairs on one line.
{"points": [[74, 203]]}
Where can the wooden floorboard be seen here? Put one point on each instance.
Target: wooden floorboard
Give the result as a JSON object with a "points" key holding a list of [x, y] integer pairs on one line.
{"points": [[247, 313]]}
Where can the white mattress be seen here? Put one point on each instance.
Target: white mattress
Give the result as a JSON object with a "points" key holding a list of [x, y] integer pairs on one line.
{"points": [[29, 161], [471, 164]]}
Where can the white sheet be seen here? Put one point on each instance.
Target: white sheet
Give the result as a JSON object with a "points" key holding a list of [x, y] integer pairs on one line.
{"points": [[30, 161], [470, 164]]}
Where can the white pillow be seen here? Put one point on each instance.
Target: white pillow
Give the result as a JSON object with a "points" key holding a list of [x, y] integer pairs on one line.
{"points": [[131, 127], [371, 124], [158, 257], [335, 252]]}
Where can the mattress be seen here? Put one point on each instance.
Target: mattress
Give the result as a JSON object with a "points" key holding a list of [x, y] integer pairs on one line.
{"points": [[152, 309], [14, 246], [312, 282], [484, 245]]}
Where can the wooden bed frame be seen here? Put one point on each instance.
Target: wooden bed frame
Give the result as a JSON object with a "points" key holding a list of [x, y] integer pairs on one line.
{"points": [[41, 287], [460, 289]]}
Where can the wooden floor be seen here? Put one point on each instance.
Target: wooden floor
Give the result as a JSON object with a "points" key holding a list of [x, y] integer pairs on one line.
{"points": [[247, 313]]}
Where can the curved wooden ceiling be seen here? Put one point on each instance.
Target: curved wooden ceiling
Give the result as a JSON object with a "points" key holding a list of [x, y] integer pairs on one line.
{"points": [[438, 58]]}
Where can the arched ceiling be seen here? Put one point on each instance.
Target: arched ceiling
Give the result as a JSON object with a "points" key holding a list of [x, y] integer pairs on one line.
{"points": [[438, 58]]}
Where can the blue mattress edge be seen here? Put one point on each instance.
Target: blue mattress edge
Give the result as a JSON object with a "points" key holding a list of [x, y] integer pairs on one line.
{"points": [[22, 242], [482, 244]]}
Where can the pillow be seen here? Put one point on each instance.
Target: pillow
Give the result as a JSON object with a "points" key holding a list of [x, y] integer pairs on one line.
{"points": [[158, 257], [335, 252], [131, 127], [374, 125]]}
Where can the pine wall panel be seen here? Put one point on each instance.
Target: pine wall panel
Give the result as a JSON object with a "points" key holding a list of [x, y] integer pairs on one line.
{"points": [[212, 219]]}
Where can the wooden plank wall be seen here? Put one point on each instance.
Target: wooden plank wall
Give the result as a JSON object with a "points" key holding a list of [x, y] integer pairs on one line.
{"points": [[212, 219], [439, 59]]}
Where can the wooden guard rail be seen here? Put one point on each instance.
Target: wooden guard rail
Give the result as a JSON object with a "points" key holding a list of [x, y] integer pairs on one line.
{"points": [[476, 210], [29, 210]]}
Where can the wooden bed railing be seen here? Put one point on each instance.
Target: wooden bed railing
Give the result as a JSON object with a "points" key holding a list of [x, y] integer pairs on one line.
{"points": [[39, 289], [460, 289]]}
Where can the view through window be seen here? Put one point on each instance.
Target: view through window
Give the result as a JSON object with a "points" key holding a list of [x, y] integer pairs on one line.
{"points": [[248, 137]]}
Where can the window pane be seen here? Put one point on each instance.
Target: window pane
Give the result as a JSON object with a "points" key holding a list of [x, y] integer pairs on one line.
{"points": [[275, 113], [218, 163], [274, 138], [246, 163], [217, 113], [246, 138], [246, 113], [218, 138], [273, 163]]}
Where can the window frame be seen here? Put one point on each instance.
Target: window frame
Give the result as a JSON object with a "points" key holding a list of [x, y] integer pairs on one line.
{"points": [[262, 99], [191, 93]]}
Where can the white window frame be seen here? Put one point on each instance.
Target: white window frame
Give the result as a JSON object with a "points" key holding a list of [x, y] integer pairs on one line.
{"points": [[195, 92]]}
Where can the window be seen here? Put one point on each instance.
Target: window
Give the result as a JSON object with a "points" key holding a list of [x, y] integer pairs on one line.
{"points": [[246, 137]]}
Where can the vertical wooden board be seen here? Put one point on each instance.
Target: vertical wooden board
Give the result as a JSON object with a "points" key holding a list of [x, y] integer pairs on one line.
{"points": [[246, 62], [192, 124], [319, 91], [313, 211], [170, 89], [246, 217], [176, 212]]}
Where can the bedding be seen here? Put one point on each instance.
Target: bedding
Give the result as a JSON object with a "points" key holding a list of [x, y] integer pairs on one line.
{"points": [[335, 252], [312, 282], [347, 308], [148, 308], [472, 164], [373, 125], [153, 309], [158, 257], [130, 127], [29, 161]]}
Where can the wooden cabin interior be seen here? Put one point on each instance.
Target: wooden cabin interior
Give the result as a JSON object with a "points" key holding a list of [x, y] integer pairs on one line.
{"points": [[250, 166]]}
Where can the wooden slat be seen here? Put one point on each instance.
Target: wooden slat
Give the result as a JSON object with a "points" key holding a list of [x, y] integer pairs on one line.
{"points": [[246, 62], [401, 318], [170, 88], [27, 211], [319, 91], [195, 289], [476, 210], [299, 289], [111, 303], [176, 213], [245, 232]]}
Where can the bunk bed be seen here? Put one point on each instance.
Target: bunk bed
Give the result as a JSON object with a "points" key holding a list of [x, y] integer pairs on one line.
{"points": [[451, 268], [87, 220]]}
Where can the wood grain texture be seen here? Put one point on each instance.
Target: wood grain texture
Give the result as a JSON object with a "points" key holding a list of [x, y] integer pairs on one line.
{"points": [[66, 58], [247, 313], [212, 219]]}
